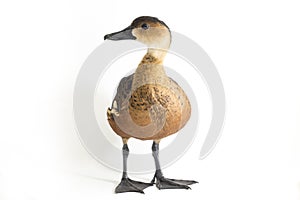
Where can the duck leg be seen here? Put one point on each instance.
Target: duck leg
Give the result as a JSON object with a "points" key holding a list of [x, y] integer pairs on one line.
{"points": [[126, 184], [161, 181]]}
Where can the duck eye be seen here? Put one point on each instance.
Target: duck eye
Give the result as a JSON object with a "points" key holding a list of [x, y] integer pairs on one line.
{"points": [[145, 26]]}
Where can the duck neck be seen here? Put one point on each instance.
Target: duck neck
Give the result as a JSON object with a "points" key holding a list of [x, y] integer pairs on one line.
{"points": [[158, 54], [150, 69], [152, 62]]}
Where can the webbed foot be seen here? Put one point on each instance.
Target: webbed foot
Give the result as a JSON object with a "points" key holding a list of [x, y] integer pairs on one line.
{"points": [[128, 185]]}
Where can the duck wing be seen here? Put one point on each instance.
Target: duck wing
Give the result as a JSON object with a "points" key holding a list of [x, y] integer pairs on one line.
{"points": [[123, 94]]}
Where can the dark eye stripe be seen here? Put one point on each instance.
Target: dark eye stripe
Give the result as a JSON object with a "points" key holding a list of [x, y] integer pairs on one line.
{"points": [[145, 26]]}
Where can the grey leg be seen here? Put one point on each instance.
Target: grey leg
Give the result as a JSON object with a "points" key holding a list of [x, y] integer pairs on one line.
{"points": [[161, 181], [125, 151], [126, 184]]}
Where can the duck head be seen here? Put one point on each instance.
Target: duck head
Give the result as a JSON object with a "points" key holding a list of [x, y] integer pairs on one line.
{"points": [[148, 30]]}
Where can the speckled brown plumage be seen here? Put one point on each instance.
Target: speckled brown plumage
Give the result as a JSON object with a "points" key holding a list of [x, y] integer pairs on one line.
{"points": [[146, 97]]}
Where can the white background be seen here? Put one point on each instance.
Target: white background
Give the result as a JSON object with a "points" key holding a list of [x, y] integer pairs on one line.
{"points": [[255, 46]]}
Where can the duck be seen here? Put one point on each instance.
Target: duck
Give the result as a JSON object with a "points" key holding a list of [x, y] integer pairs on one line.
{"points": [[148, 105]]}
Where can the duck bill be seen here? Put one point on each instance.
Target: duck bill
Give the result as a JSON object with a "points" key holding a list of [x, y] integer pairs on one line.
{"points": [[125, 34]]}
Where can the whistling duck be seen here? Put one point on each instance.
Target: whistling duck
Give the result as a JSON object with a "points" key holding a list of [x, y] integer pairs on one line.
{"points": [[148, 104]]}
